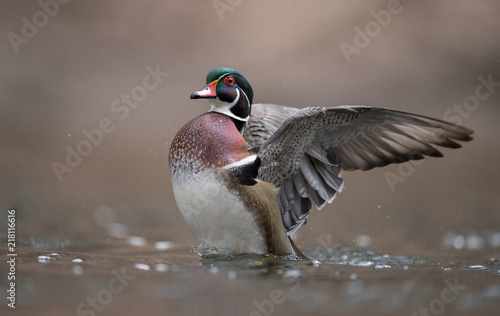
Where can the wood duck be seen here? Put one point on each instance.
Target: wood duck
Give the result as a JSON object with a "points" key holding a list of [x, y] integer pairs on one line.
{"points": [[246, 175]]}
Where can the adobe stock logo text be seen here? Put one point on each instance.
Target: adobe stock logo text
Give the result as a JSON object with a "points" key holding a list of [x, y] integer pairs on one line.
{"points": [[30, 28], [94, 137]]}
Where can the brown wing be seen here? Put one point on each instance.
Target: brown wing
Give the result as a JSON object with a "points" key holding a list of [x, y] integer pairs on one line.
{"points": [[304, 157]]}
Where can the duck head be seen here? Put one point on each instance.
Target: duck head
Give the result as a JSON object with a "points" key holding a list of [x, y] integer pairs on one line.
{"points": [[228, 92]]}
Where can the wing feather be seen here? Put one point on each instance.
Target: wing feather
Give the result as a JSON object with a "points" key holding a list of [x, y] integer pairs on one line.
{"points": [[304, 151], [264, 121]]}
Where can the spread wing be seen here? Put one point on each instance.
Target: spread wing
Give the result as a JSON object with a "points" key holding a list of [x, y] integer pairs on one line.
{"points": [[264, 121], [305, 155]]}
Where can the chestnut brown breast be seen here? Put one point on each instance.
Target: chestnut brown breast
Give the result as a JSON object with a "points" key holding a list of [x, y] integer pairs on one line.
{"points": [[209, 140]]}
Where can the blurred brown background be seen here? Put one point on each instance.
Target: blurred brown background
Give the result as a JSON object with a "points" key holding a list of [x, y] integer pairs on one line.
{"points": [[65, 78]]}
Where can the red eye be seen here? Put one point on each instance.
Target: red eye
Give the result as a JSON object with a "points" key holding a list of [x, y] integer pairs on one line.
{"points": [[229, 80]]}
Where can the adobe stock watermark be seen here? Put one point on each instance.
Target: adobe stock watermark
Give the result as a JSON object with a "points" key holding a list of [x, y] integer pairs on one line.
{"points": [[363, 37], [223, 6], [483, 91], [437, 306], [48, 9], [121, 107], [11, 255], [104, 297], [456, 114]]}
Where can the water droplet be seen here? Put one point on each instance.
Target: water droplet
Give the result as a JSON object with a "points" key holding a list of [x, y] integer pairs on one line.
{"points": [[232, 275], [137, 241], [475, 242], [494, 240], [478, 266], [363, 241], [448, 239], [141, 266], [459, 242], [161, 267], [43, 259], [291, 274], [77, 260], [104, 215], [163, 245], [77, 269], [382, 266], [117, 230], [213, 270]]}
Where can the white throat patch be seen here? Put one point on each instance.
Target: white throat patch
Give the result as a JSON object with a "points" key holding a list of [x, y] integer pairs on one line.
{"points": [[222, 107]]}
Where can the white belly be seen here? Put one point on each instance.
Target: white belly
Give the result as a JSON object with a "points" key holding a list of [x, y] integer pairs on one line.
{"points": [[215, 215]]}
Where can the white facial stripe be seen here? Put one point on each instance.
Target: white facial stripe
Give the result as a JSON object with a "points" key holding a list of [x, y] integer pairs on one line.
{"points": [[227, 73], [230, 105], [219, 106], [245, 161]]}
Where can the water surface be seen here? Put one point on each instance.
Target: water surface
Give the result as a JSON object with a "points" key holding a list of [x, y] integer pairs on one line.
{"points": [[134, 276]]}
